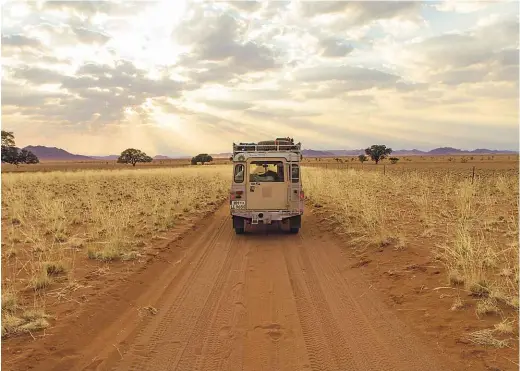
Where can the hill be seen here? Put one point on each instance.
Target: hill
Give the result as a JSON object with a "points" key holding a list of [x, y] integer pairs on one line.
{"points": [[106, 158], [441, 151], [317, 153], [56, 154]]}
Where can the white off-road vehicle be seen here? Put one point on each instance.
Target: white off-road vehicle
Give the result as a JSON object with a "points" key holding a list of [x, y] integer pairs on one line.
{"points": [[267, 185]]}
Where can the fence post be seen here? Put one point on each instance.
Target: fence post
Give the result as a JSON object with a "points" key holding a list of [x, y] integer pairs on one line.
{"points": [[473, 176], [384, 169]]}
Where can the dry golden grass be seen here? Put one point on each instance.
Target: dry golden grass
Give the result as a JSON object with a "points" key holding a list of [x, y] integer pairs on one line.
{"points": [[51, 220], [472, 226], [486, 338]]}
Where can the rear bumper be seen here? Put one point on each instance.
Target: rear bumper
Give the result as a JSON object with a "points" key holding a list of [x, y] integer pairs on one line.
{"points": [[266, 216]]}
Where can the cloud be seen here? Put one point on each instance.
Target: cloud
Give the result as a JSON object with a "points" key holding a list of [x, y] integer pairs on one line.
{"points": [[86, 36], [89, 9], [218, 36], [458, 6], [155, 75], [38, 76], [333, 47], [19, 41], [19, 95], [359, 12], [335, 81], [96, 91], [485, 52], [228, 104], [248, 6]]}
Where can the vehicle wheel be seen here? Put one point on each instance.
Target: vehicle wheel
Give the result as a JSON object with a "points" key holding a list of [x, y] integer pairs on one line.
{"points": [[239, 230], [294, 230]]}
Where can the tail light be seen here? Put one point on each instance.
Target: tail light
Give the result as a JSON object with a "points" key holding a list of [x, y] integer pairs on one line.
{"points": [[236, 194], [302, 195]]}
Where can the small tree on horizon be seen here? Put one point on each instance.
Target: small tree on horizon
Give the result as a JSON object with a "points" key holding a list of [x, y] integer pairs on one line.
{"points": [[362, 158], [378, 152], [394, 160], [133, 156], [202, 158]]}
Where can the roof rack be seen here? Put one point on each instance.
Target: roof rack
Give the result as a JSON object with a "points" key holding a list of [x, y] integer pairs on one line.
{"points": [[278, 145]]}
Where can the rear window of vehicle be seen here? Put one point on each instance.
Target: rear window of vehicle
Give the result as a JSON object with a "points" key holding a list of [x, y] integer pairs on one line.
{"points": [[266, 171]]}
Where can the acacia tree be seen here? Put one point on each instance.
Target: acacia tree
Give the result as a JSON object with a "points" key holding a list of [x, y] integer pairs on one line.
{"points": [[362, 158], [7, 139], [133, 156], [378, 152], [12, 155], [9, 151], [27, 157], [202, 158]]}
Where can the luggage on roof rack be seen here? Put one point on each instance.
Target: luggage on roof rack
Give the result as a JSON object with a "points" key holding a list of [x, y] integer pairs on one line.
{"points": [[277, 145]]}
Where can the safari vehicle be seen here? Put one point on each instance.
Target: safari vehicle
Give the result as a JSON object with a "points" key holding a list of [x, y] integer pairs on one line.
{"points": [[266, 185]]}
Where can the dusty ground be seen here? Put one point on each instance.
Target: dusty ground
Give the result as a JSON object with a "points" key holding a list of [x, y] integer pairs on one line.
{"points": [[212, 300], [193, 288]]}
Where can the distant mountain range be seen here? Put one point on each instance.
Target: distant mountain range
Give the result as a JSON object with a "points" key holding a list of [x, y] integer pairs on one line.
{"points": [[58, 154], [400, 152], [53, 153], [106, 158], [161, 157]]}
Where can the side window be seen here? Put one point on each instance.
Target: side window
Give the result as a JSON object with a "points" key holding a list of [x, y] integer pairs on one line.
{"points": [[239, 173], [295, 173]]}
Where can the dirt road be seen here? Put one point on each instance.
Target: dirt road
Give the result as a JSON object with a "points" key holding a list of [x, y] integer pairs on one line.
{"points": [[266, 301]]}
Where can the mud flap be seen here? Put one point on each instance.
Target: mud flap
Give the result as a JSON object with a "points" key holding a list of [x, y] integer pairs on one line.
{"points": [[295, 221], [238, 222]]}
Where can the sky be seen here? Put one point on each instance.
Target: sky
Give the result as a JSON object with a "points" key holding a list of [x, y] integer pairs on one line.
{"points": [[183, 77]]}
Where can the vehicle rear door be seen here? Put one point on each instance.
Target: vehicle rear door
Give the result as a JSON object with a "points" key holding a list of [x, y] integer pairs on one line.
{"points": [[267, 184]]}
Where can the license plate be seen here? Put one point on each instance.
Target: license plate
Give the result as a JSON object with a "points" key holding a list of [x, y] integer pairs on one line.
{"points": [[238, 204]]}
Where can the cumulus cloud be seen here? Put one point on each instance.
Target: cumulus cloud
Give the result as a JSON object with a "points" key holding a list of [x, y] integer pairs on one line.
{"points": [[219, 36], [359, 12], [333, 47], [458, 6], [95, 91], [248, 6], [329, 73], [19, 41]]}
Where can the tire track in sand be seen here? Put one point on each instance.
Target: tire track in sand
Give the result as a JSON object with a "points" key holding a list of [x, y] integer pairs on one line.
{"points": [[326, 345], [159, 343], [274, 338], [216, 310], [379, 339]]}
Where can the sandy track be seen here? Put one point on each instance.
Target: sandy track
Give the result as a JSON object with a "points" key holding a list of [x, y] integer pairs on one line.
{"points": [[256, 302]]}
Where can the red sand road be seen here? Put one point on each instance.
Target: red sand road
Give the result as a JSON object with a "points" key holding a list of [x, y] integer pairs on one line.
{"points": [[264, 301]]}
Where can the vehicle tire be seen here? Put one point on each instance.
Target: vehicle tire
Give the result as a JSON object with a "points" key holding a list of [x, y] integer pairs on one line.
{"points": [[294, 230], [239, 230]]}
